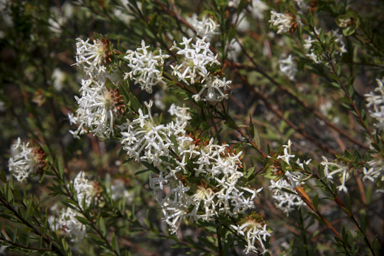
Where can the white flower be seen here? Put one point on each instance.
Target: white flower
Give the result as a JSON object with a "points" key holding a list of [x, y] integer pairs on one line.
{"points": [[287, 152], [25, 160], [332, 169], [308, 43], [253, 231], [313, 57], [207, 27], [3, 107], [234, 49], [181, 113], [376, 102], [377, 168], [283, 21], [242, 22], [302, 5], [257, 9], [343, 23], [58, 78], [69, 223], [144, 135], [288, 67], [91, 56], [233, 3], [85, 189], [196, 58], [98, 109], [145, 67], [212, 90], [121, 15], [339, 41], [283, 200], [119, 190]]}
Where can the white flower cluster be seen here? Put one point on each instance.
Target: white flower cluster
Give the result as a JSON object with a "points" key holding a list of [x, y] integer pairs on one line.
{"points": [[71, 225], [253, 231], [207, 27], [193, 68], [376, 103], [147, 141], [145, 67], [91, 57], [342, 171], [119, 191], [143, 134], [338, 39], [211, 90], [288, 67], [99, 107], [85, 189], [283, 200], [283, 21], [196, 58], [25, 160], [217, 193], [339, 42]]}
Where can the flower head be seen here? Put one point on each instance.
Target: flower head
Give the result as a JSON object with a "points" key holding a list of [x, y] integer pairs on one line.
{"points": [[288, 67], [207, 27], [145, 67], [25, 160], [196, 58], [253, 230], [285, 22]]}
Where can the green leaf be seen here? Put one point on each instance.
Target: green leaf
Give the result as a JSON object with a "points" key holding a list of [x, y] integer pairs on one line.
{"points": [[102, 227], [363, 222], [175, 144], [256, 137], [288, 191], [134, 102], [315, 201], [115, 245]]}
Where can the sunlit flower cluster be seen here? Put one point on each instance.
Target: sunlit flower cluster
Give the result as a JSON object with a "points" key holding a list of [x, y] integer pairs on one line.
{"points": [[146, 140], [375, 103], [25, 160], [283, 188], [193, 68], [196, 57], [337, 169], [253, 230], [145, 67], [283, 21], [85, 189], [207, 27], [212, 90], [99, 106], [71, 225]]}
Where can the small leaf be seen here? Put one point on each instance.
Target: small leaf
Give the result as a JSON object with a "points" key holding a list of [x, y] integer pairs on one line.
{"points": [[315, 201], [102, 227]]}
